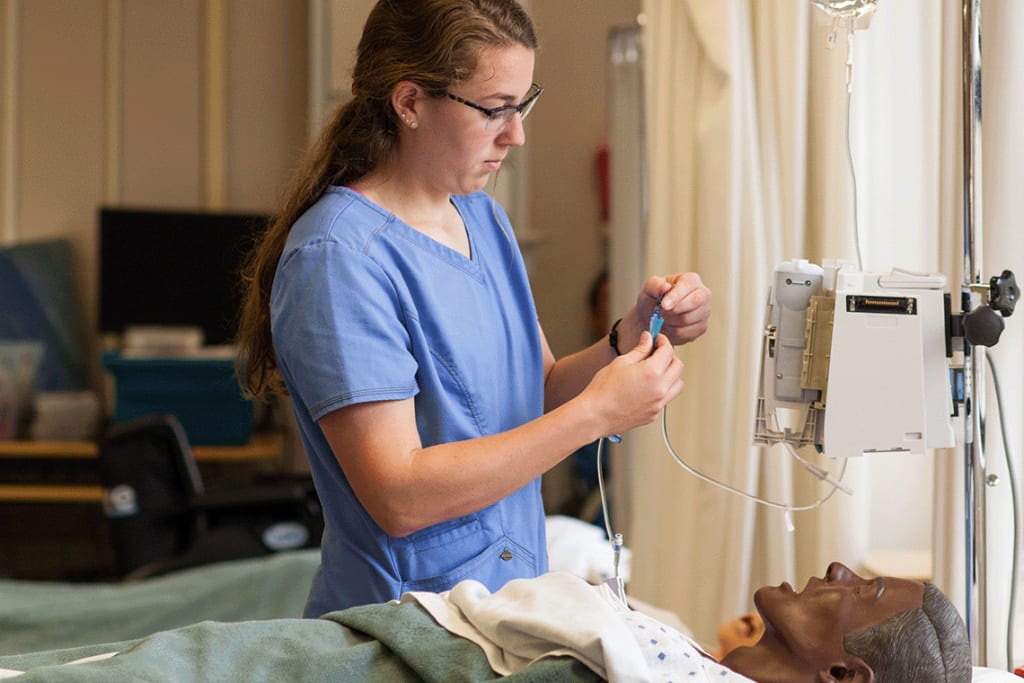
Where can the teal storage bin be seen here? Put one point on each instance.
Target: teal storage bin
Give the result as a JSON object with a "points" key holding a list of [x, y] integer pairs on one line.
{"points": [[203, 393]]}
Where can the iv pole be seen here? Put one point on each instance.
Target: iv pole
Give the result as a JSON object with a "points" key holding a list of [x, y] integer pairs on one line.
{"points": [[974, 355], [981, 327]]}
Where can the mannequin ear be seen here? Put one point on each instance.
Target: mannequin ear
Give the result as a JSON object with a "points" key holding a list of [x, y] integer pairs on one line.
{"points": [[852, 669]]}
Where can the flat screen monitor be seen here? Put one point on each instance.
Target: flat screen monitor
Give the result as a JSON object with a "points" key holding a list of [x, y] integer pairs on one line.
{"points": [[173, 268]]}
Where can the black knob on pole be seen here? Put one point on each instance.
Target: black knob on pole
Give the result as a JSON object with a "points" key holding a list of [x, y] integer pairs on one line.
{"points": [[983, 326], [1004, 293]]}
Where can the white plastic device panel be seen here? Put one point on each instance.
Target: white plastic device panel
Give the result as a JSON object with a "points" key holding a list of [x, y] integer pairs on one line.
{"points": [[888, 380]]}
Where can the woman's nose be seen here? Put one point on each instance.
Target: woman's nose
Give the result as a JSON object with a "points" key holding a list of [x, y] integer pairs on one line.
{"points": [[514, 134]]}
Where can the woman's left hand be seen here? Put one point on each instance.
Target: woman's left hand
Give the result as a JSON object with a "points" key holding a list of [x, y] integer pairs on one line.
{"points": [[685, 305]]}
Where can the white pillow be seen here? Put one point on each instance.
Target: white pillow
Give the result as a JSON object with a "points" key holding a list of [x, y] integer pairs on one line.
{"points": [[985, 675]]}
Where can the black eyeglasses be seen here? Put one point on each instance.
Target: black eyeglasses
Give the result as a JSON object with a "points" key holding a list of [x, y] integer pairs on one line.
{"points": [[498, 118]]}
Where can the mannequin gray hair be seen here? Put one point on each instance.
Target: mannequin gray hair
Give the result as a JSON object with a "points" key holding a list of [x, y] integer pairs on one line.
{"points": [[925, 644]]}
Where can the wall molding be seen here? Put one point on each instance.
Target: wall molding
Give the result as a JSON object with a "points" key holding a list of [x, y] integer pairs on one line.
{"points": [[9, 134], [113, 101], [214, 120]]}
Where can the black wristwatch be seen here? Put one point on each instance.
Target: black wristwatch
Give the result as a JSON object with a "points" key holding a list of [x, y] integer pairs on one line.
{"points": [[613, 337]]}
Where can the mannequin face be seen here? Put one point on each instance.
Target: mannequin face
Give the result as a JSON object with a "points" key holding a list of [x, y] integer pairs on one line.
{"points": [[840, 603], [804, 631]]}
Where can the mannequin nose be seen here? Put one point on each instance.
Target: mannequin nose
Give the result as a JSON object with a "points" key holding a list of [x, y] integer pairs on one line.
{"points": [[839, 573]]}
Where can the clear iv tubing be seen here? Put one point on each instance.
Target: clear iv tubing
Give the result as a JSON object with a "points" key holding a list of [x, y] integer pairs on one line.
{"points": [[785, 507], [849, 143]]}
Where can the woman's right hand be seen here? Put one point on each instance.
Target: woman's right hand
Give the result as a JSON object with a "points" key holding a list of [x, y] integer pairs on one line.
{"points": [[632, 390]]}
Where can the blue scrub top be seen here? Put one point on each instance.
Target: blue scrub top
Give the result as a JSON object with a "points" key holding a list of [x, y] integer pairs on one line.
{"points": [[366, 308]]}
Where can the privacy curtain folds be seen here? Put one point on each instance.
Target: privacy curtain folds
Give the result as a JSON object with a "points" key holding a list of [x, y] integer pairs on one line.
{"points": [[746, 164]]}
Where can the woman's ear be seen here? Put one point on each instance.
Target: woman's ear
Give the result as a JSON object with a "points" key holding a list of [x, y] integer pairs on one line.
{"points": [[852, 669], [404, 99]]}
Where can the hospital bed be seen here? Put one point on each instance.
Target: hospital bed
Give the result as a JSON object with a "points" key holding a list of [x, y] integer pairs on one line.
{"points": [[398, 641], [240, 620]]}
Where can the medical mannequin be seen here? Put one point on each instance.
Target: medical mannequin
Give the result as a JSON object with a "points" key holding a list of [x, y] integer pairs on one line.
{"points": [[847, 628], [839, 629]]}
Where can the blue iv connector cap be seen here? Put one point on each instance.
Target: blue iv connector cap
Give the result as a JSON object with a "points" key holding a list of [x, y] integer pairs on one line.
{"points": [[656, 320]]}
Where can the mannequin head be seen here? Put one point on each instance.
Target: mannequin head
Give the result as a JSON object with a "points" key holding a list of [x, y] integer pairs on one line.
{"points": [[845, 628]]}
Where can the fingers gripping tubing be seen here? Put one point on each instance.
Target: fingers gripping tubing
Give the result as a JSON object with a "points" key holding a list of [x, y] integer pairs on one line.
{"points": [[654, 328]]}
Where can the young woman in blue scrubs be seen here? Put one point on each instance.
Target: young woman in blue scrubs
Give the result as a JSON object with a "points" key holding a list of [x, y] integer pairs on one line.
{"points": [[389, 299]]}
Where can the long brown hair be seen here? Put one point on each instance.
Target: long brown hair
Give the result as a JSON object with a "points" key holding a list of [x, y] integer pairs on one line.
{"points": [[433, 43]]}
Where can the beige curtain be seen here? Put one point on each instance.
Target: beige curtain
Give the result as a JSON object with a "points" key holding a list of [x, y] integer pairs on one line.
{"points": [[746, 148]]}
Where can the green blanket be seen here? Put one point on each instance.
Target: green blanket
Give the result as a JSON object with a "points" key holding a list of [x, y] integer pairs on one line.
{"points": [[36, 615], [392, 642]]}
